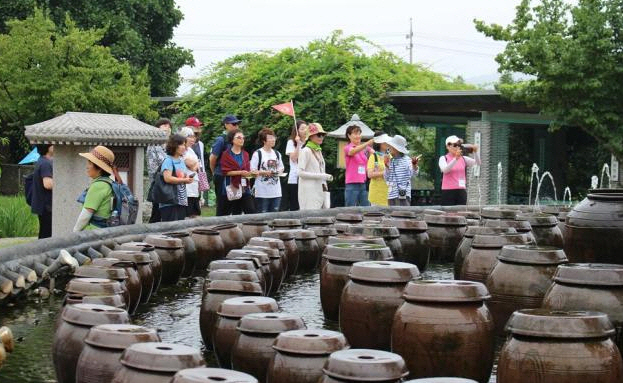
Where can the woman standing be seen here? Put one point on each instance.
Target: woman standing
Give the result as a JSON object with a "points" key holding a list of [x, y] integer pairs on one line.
{"points": [[293, 148], [376, 171], [454, 168], [312, 175], [191, 160], [398, 172], [356, 157], [155, 156], [236, 168], [174, 172], [267, 163]]}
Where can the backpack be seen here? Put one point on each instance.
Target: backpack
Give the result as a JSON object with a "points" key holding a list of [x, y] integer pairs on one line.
{"points": [[124, 203], [259, 157], [28, 186]]}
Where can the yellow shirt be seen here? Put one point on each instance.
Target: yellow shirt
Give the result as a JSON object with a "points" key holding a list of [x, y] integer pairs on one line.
{"points": [[377, 195]]}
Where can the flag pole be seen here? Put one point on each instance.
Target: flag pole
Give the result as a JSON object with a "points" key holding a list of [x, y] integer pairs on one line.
{"points": [[296, 129]]}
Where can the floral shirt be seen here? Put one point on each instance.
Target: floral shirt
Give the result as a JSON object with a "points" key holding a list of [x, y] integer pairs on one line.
{"points": [[155, 156]]}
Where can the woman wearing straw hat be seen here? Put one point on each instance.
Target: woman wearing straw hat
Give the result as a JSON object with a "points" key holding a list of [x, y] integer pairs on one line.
{"points": [[97, 206], [398, 172], [312, 175]]}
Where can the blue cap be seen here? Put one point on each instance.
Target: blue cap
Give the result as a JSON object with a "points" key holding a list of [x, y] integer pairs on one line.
{"points": [[231, 119]]}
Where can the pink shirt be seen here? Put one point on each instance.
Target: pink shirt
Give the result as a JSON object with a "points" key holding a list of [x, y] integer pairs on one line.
{"points": [[355, 165], [455, 177]]}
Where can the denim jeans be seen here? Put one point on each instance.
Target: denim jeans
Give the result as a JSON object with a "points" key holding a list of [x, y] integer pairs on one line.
{"points": [[268, 205], [356, 195]]}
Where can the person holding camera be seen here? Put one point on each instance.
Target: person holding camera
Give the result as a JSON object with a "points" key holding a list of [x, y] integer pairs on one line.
{"points": [[454, 166], [398, 172]]}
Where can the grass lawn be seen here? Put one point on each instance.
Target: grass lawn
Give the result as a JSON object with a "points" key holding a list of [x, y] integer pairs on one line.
{"points": [[208, 211]]}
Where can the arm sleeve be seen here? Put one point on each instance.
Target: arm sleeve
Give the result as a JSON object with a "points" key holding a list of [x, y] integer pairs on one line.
{"points": [[45, 170], [290, 147], [446, 167], [218, 146], [304, 158], [371, 162], [280, 166], [83, 220], [472, 161], [254, 161]]}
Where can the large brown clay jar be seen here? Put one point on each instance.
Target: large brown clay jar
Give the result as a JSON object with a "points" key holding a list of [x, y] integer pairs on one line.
{"points": [[190, 251], [276, 266], [364, 365], [209, 246], [156, 263], [104, 344], [309, 251], [312, 222], [390, 235], [559, 347], [229, 314], [132, 282], [253, 349], [334, 275], [445, 329], [301, 355], [273, 243], [466, 243], [78, 288], [171, 252], [370, 299], [445, 233], [251, 264], [155, 362], [414, 240], [520, 280], [286, 224], [483, 255], [144, 270], [322, 235], [252, 229], [521, 227], [76, 321], [208, 375], [264, 261], [109, 272], [544, 228], [349, 238], [231, 234], [592, 287], [290, 249]]}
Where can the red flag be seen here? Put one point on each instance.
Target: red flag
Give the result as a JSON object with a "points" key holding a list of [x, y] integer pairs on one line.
{"points": [[285, 108]]}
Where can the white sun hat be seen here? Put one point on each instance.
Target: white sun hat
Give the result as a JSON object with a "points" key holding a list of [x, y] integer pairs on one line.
{"points": [[382, 139], [399, 143], [452, 140]]}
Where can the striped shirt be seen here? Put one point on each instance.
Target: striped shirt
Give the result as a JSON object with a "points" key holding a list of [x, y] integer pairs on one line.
{"points": [[398, 176]]}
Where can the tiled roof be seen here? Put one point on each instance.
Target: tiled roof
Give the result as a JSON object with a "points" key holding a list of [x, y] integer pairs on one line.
{"points": [[340, 132], [78, 128]]}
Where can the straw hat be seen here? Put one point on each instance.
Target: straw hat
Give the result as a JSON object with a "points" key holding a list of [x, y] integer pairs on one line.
{"points": [[399, 143], [102, 157]]}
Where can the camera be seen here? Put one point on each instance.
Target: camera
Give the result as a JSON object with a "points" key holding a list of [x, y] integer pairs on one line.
{"points": [[402, 194], [467, 148]]}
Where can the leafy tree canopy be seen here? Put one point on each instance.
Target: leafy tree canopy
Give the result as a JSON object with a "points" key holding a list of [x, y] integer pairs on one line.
{"points": [[329, 80], [574, 55], [136, 31]]}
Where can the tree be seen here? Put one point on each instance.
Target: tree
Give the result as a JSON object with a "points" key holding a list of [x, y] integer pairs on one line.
{"points": [[574, 57], [47, 70], [329, 80], [136, 31]]}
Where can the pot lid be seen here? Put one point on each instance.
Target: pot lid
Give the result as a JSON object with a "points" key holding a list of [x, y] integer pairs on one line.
{"points": [[274, 243], [374, 214], [233, 264], [254, 261], [177, 234], [319, 220], [259, 255], [113, 262], [241, 306], [85, 314], [365, 365], [353, 252], [555, 209], [163, 357], [284, 235], [224, 226], [498, 213], [324, 231], [404, 214], [466, 213], [233, 275], [94, 286], [406, 224], [384, 271], [441, 380], [532, 255], [255, 223], [138, 257], [560, 324], [135, 246], [473, 230], [285, 222], [205, 231], [445, 220], [116, 300], [497, 241], [349, 217], [384, 231], [538, 219], [434, 212], [249, 288], [120, 336], [304, 234], [606, 195], [352, 238], [272, 253], [597, 274], [211, 375], [520, 226], [310, 342], [106, 272], [446, 291], [357, 228], [270, 323], [164, 242]]}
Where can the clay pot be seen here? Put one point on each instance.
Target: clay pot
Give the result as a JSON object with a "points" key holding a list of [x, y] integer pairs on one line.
{"points": [[253, 350], [363, 365], [544, 228], [273, 243], [349, 218], [267, 278], [466, 243], [285, 224], [207, 375], [76, 321], [445, 233], [441, 380], [589, 286], [79, 288], [405, 214], [276, 266], [209, 246], [445, 329], [143, 263], [155, 362], [309, 251], [290, 249], [301, 355], [559, 347], [232, 236], [414, 240], [251, 264], [322, 235], [334, 275], [342, 227], [373, 216], [349, 238], [132, 282], [190, 251], [156, 263], [104, 344], [311, 222], [370, 299], [233, 275], [483, 255], [254, 229], [171, 252], [390, 235], [495, 212], [108, 272], [229, 314], [520, 280], [214, 293], [521, 227]]}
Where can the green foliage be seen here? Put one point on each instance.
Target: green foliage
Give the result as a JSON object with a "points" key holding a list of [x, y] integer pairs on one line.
{"points": [[16, 219], [136, 31], [329, 80], [574, 54], [47, 70]]}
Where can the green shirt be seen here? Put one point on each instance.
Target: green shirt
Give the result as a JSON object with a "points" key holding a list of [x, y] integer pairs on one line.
{"points": [[99, 198]]}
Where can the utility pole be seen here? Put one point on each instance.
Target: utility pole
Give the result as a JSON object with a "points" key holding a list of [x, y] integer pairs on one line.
{"points": [[410, 38]]}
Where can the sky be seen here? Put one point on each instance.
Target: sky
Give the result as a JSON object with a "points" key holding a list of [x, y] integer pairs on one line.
{"points": [[444, 37]]}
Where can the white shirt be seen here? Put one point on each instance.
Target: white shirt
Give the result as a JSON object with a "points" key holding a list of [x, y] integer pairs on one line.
{"points": [[193, 188], [267, 187], [293, 176]]}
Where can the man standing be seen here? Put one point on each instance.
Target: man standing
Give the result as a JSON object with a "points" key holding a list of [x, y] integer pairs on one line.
{"points": [[231, 122], [42, 190]]}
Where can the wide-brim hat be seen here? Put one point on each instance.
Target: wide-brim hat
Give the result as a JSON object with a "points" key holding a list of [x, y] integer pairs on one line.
{"points": [[399, 143], [101, 156], [382, 139], [315, 128]]}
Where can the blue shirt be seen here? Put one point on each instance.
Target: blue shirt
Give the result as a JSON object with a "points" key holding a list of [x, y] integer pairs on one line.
{"points": [[180, 172], [218, 148]]}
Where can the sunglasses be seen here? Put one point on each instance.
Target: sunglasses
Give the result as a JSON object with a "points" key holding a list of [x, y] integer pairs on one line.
{"points": [[455, 145]]}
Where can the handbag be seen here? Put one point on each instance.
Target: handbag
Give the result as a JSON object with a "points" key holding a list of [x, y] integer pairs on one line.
{"points": [[202, 179], [233, 193], [160, 191]]}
